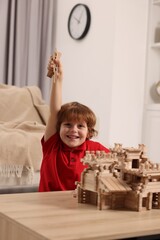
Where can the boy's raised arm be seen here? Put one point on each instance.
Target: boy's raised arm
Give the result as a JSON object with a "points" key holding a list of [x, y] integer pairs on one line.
{"points": [[56, 73]]}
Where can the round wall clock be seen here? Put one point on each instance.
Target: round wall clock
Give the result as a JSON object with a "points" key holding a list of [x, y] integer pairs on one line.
{"points": [[79, 21]]}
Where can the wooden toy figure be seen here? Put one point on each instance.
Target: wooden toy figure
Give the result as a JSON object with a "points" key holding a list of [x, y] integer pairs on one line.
{"points": [[51, 73]]}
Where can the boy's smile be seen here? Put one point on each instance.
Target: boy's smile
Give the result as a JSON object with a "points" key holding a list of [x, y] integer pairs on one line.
{"points": [[73, 134]]}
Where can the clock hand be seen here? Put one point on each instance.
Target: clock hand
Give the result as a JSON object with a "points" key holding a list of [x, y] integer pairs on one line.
{"points": [[77, 19], [80, 16]]}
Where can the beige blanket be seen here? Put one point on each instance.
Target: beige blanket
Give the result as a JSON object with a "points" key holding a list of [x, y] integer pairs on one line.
{"points": [[23, 116]]}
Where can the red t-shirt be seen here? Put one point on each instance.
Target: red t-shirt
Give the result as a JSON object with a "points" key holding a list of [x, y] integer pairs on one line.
{"points": [[61, 166]]}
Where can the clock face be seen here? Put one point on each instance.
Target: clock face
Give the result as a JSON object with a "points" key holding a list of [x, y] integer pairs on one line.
{"points": [[79, 21]]}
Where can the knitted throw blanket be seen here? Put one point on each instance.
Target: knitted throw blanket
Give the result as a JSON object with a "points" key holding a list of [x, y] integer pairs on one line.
{"points": [[23, 116]]}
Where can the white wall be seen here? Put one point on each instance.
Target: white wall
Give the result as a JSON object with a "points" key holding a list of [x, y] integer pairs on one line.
{"points": [[129, 72], [106, 69]]}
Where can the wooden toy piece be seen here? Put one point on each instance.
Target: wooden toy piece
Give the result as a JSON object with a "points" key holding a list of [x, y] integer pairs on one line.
{"points": [[50, 73], [123, 179]]}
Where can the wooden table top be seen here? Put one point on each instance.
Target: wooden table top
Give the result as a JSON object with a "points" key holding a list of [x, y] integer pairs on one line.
{"points": [[58, 216]]}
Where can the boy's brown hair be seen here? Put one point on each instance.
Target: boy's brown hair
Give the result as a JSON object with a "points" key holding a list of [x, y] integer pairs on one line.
{"points": [[75, 111]]}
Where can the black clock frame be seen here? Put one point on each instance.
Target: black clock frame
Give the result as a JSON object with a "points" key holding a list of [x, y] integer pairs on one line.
{"points": [[87, 24]]}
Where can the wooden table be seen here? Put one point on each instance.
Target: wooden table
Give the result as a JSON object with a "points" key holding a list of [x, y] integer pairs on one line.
{"points": [[58, 216]]}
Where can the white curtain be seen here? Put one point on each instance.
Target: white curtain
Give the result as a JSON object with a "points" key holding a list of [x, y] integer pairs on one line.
{"points": [[27, 35]]}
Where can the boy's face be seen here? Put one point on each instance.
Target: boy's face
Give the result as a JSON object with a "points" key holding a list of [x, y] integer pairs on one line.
{"points": [[73, 134]]}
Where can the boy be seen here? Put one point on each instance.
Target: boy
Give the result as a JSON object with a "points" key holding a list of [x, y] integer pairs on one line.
{"points": [[67, 137]]}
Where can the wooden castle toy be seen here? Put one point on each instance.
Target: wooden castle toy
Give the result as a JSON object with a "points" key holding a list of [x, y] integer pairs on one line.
{"points": [[124, 178]]}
